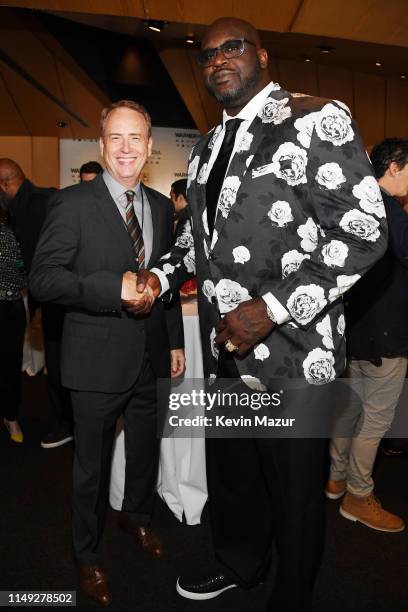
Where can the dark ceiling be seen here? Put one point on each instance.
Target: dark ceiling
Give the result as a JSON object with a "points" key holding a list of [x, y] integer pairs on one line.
{"points": [[124, 67]]}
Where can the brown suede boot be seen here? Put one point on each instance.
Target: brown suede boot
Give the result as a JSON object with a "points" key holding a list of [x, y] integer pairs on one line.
{"points": [[368, 510]]}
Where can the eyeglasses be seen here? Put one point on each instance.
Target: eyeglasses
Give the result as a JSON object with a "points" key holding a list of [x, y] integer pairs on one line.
{"points": [[231, 48]]}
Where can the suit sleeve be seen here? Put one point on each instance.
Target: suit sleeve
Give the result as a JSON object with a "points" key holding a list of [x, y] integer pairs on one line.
{"points": [[346, 232], [54, 278], [173, 313]]}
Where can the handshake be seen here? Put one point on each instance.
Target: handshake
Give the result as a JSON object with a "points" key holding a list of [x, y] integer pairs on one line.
{"points": [[139, 291]]}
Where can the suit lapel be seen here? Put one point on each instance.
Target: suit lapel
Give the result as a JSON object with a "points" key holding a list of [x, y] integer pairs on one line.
{"points": [[248, 145]]}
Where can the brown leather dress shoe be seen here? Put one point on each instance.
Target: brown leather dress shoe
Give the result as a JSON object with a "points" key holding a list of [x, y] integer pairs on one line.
{"points": [[94, 583], [143, 536]]}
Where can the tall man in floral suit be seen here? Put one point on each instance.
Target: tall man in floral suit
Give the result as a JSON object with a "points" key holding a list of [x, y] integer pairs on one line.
{"points": [[286, 217]]}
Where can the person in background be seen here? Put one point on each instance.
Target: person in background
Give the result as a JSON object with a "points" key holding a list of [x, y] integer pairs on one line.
{"points": [[13, 281], [89, 171], [27, 205], [377, 334], [182, 210]]}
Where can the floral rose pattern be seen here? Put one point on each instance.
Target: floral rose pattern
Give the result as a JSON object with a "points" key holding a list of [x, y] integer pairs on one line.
{"points": [[241, 254], [189, 261], [214, 346], [280, 213], [344, 283], [310, 222], [275, 111], [261, 352], [208, 289], [202, 175], [335, 253], [305, 302], [330, 176], [361, 225], [334, 125], [289, 163], [228, 195], [230, 294], [369, 195], [324, 329], [318, 367], [308, 233], [305, 126], [291, 262], [192, 170], [245, 142], [185, 240]]}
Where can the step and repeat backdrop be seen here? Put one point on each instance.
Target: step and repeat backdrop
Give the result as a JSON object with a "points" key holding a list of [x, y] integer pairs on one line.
{"points": [[168, 162]]}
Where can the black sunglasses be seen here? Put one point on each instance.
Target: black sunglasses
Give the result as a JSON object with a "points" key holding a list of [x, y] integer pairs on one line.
{"points": [[231, 48]]}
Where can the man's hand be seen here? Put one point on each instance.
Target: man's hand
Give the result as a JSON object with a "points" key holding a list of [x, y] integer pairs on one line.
{"points": [[147, 284], [137, 302], [178, 362], [245, 326]]}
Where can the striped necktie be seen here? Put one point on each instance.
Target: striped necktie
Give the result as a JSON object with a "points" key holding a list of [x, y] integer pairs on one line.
{"points": [[135, 231]]}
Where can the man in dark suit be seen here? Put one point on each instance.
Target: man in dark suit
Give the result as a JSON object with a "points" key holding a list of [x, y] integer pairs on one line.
{"points": [[377, 347], [278, 235], [28, 206], [97, 235]]}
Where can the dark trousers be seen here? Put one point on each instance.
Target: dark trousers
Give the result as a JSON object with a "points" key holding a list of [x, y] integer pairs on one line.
{"points": [[95, 416], [264, 491], [12, 328], [60, 417]]}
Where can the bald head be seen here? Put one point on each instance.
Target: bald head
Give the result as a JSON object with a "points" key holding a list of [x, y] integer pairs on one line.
{"points": [[11, 177], [235, 66], [236, 27]]}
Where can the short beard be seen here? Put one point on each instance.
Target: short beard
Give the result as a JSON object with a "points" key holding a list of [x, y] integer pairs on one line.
{"points": [[240, 94]]}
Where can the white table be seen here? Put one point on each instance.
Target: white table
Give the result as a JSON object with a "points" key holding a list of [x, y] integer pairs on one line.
{"points": [[182, 480]]}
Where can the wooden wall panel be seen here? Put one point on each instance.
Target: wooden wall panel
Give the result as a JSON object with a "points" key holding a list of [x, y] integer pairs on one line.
{"points": [[45, 161], [369, 99], [337, 84], [396, 112], [11, 122], [19, 149], [38, 157], [298, 77]]}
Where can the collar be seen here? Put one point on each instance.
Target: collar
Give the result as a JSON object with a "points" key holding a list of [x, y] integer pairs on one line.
{"points": [[249, 111], [116, 189]]}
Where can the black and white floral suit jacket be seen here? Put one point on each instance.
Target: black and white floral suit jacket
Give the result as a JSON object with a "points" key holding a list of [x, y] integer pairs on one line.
{"points": [[301, 216]]}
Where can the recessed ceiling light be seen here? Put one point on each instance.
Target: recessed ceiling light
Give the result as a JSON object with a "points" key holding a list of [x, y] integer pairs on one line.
{"points": [[403, 76], [325, 49], [307, 59], [190, 40], [378, 64], [156, 25]]}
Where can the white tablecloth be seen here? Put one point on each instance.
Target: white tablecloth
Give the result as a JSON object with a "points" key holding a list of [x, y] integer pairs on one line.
{"points": [[182, 481]]}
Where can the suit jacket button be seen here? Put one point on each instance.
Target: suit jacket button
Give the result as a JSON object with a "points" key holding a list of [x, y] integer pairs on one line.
{"points": [[211, 256]]}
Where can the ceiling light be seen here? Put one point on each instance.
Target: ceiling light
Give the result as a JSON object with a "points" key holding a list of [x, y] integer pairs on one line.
{"points": [[307, 59], [403, 76], [156, 25], [190, 40], [378, 64], [325, 49]]}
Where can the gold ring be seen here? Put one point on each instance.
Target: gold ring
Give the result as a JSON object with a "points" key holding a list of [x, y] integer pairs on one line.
{"points": [[230, 347]]}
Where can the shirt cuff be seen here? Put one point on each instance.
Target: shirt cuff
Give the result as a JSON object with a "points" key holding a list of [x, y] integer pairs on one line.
{"points": [[279, 312], [163, 280]]}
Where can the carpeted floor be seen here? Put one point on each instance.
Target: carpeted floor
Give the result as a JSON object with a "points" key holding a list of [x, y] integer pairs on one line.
{"points": [[363, 570]]}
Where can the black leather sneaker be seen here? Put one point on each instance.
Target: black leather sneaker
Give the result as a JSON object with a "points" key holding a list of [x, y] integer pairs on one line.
{"points": [[206, 587]]}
